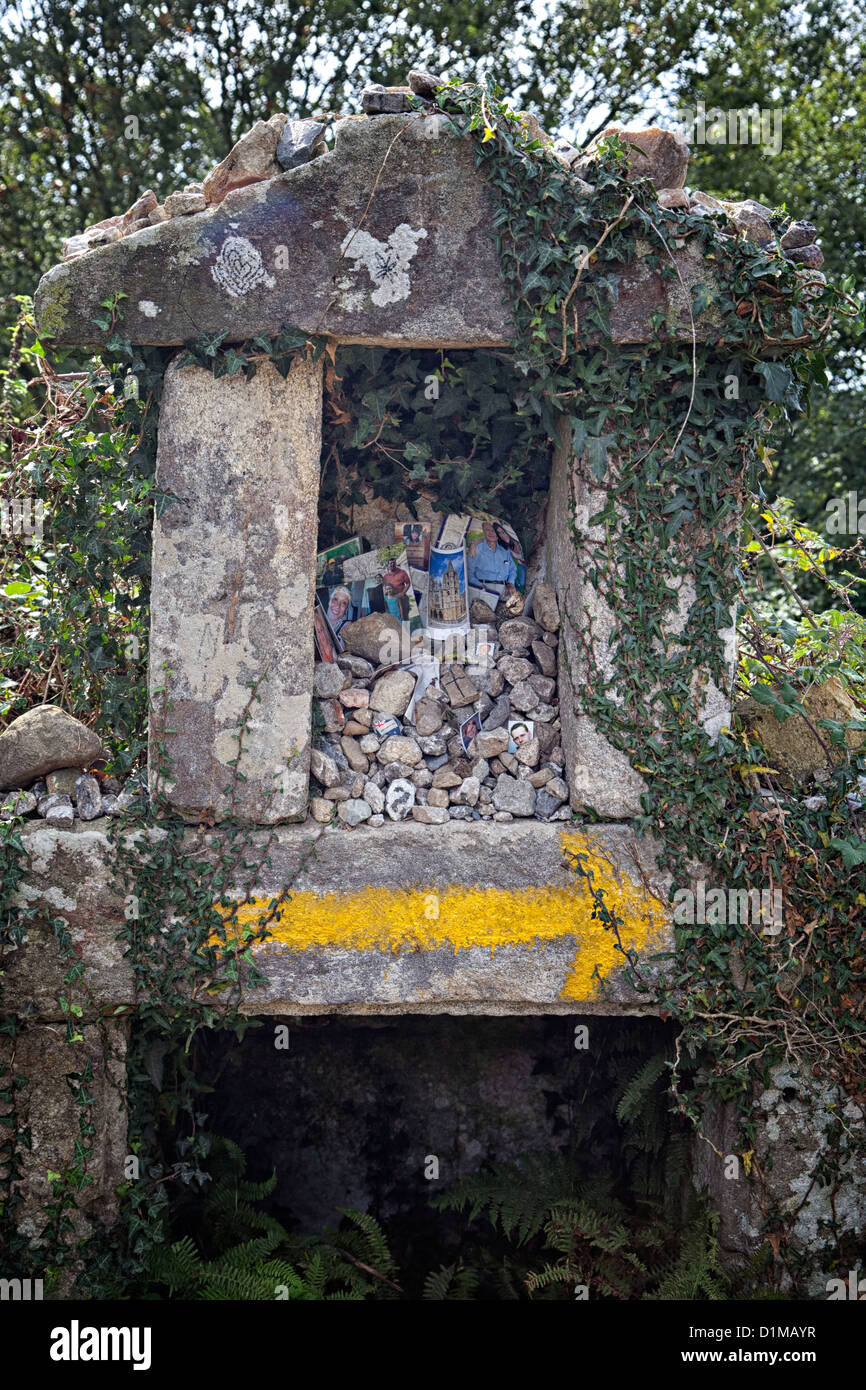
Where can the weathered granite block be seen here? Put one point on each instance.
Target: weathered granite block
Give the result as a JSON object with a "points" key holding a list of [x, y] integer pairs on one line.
{"points": [[68, 879], [600, 776], [41, 1057], [417, 265], [464, 918], [233, 586], [794, 1116]]}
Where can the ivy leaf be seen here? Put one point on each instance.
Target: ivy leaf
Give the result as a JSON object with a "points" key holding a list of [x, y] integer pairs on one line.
{"points": [[534, 280], [779, 380], [765, 696], [702, 298], [597, 449], [208, 344], [417, 450], [234, 361]]}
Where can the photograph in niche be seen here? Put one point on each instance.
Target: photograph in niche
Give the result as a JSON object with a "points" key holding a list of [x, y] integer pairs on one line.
{"points": [[328, 644], [381, 582], [396, 581], [495, 562], [339, 607], [415, 538], [469, 729], [447, 597], [330, 562], [520, 731]]}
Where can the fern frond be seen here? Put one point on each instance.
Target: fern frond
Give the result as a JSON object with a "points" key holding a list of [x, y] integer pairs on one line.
{"points": [[562, 1273], [375, 1244], [451, 1282], [636, 1094]]}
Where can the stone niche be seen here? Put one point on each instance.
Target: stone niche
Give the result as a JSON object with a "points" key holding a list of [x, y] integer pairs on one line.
{"points": [[234, 659], [232, 644], [499, 675]]}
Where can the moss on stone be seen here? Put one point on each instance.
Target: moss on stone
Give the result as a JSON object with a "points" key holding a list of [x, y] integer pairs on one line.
{"points": [[53, 303]]}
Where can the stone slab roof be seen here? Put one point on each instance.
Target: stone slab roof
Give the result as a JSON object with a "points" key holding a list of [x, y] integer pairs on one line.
{"points": [[387, 238]]}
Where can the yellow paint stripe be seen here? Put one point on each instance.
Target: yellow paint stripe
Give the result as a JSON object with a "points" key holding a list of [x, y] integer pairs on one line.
{"points": [[458, 917]]}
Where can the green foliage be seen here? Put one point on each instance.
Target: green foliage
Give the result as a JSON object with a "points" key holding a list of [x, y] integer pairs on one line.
{"points": [[440, 425], [451, 1283], [208, 351], [250, 1257], [75, 613], [608, 1213], [817, 63], [564, 1233]]}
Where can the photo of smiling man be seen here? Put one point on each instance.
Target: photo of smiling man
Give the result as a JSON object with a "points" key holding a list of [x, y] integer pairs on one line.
{"points": [[490, 564]]}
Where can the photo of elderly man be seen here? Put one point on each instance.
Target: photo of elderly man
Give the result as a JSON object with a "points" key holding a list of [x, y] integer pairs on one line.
{"points": [[491, 563]]}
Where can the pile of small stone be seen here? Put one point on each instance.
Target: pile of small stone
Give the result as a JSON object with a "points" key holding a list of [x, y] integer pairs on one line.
{"points": [[144, 212], [423, 771], [45, 759], [71, 794], [752, 221], [278, 144], [662, 156]]}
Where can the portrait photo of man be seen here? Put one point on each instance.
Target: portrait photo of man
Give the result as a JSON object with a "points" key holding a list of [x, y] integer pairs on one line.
{"points": [[333, 572], [469, 729], [415, 537], [490, 562], [520, 731]]}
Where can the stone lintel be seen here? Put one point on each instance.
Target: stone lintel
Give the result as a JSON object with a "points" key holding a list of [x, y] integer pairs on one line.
{"points": [[414, 266], [234, 562], [463, 918]]}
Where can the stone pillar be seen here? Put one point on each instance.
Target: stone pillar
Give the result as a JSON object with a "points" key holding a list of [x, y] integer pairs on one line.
{"points": [[234, 561], [41, 1058], [798, 1121], [601, 777]]}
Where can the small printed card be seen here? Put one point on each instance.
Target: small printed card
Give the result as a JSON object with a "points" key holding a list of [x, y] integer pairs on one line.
{"points": [[415, 538]]}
